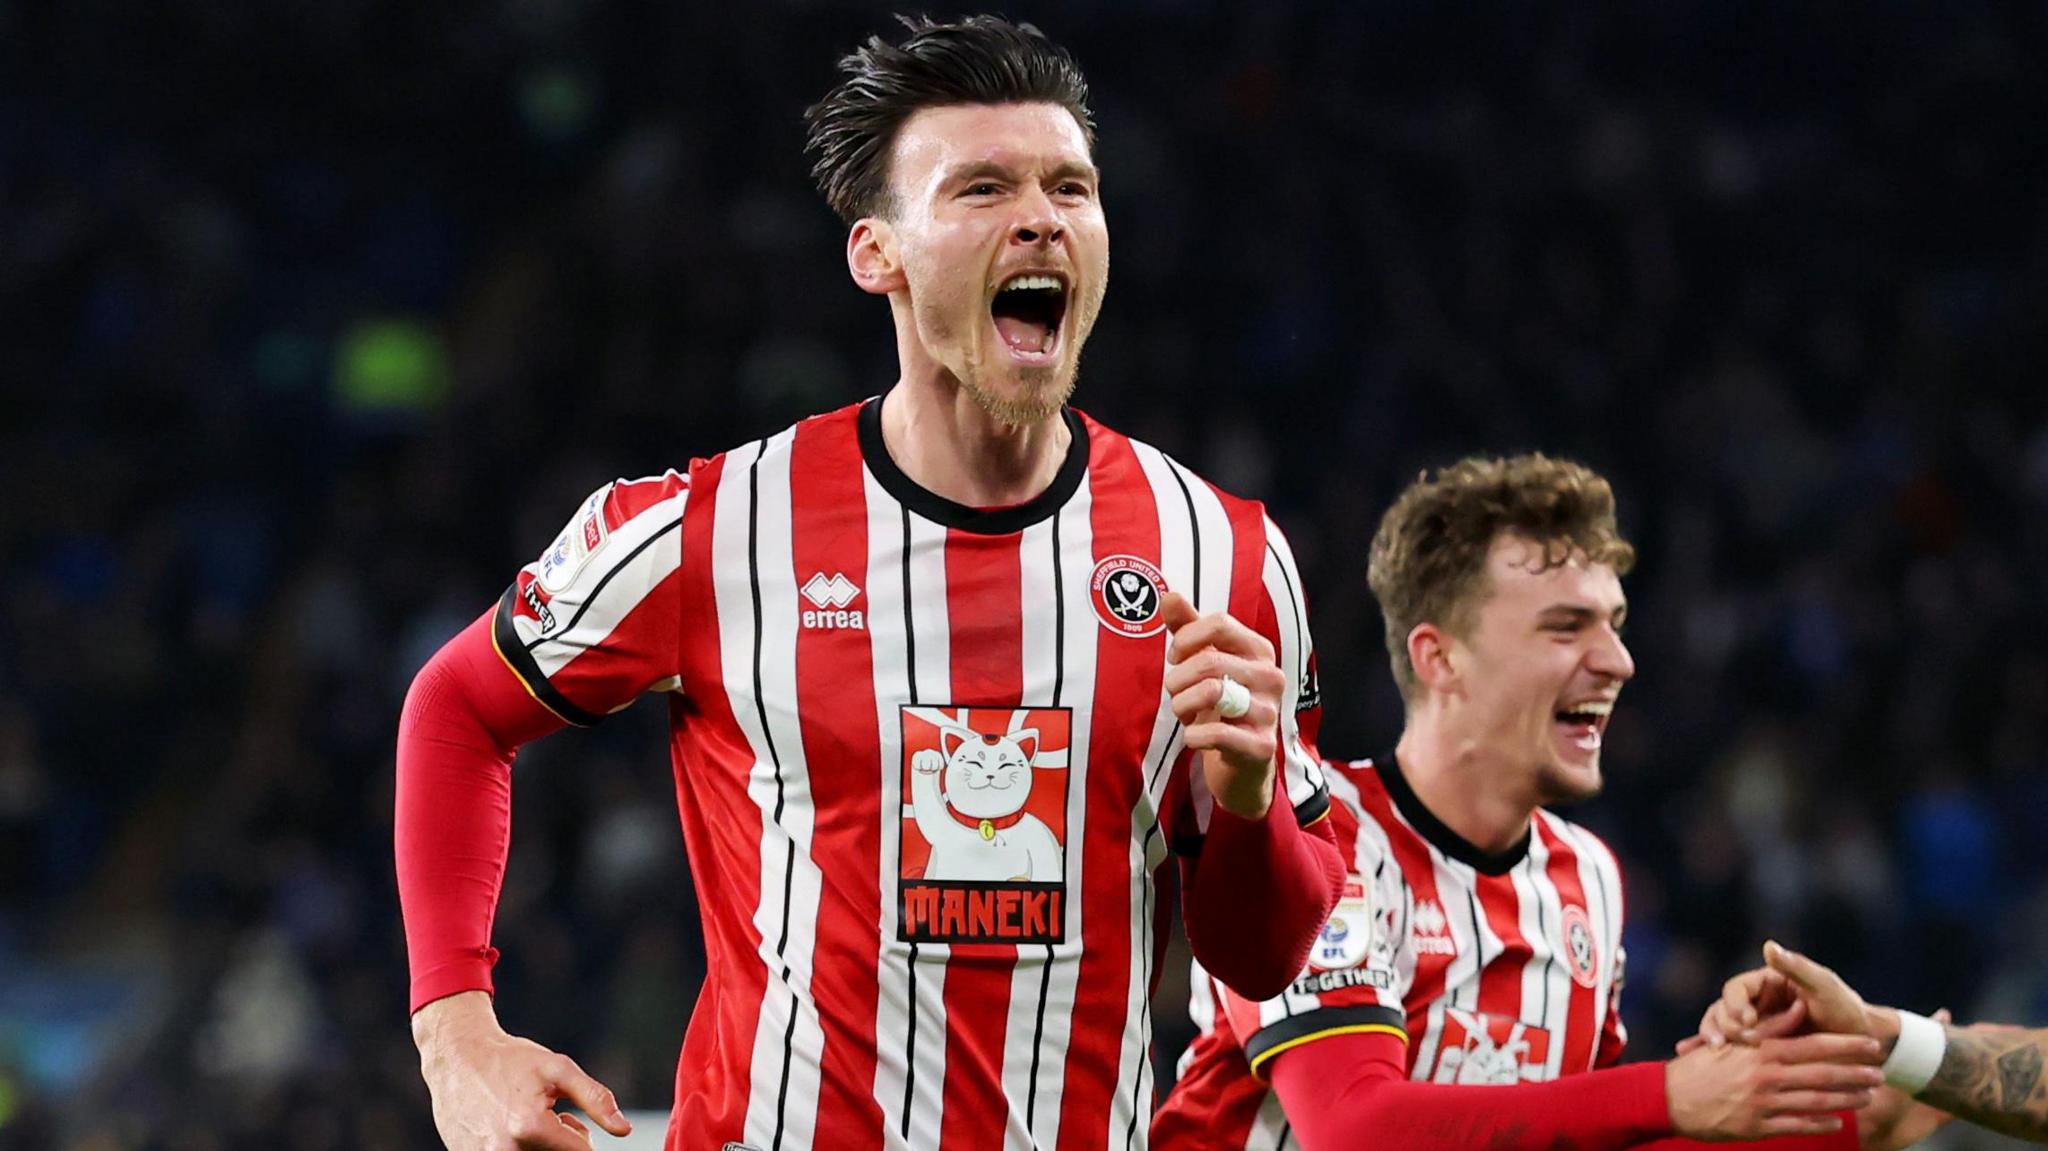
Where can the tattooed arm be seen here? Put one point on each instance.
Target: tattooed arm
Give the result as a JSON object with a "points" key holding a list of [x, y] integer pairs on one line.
{"points": [[1991, 1076]]}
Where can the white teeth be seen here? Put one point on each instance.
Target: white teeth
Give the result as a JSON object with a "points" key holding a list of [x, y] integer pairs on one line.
{"points": [[1030, 283], [1592, 707]]}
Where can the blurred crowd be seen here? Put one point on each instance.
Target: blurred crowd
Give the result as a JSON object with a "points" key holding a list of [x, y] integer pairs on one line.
{"points": [[317, 321]]}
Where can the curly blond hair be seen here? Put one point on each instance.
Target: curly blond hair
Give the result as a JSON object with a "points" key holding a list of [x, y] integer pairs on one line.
{"points": [[1429, 555]]}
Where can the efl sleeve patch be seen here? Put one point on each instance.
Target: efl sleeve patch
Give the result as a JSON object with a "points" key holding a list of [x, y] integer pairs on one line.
{"points": [[593, 621]]}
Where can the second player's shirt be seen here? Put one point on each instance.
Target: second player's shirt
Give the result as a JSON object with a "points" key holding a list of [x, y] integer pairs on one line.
{"points": [[925, 766], [1497, 969]]}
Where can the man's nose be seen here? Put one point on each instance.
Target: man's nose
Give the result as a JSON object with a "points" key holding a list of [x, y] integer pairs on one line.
{"points": [[1611, 657], [1038, 221]]}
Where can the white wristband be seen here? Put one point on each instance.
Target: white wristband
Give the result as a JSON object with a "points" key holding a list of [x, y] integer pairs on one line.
{"points": [[1917, 1055]]}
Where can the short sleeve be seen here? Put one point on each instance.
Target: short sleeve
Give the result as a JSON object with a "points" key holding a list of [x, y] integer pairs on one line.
{"points": [[1359, 969], [595, 621], [1614, 1033], [1301, 702]]}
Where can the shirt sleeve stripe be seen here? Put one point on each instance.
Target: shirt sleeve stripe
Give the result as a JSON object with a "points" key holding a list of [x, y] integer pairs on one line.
{"points": [[1287, 1034], [506, 641], [1314, 809]]}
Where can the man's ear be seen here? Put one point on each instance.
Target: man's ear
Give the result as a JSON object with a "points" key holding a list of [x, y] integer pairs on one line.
{"points": [[872, 256], [1429, 653]]}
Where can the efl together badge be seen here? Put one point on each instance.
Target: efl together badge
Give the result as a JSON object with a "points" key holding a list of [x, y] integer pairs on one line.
{"points": [[1348, 934], [1127, 592]]}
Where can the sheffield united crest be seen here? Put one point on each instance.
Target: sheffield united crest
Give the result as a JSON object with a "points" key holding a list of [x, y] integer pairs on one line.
{"points": [[1127, 592]]}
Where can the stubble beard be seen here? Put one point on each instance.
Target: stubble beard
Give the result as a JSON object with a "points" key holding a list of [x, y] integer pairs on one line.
{"points": [[1044, 391], [1562, 784]]}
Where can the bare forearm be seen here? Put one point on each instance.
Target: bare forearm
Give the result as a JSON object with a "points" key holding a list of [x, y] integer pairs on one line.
{"points": [[1991, 1076]]}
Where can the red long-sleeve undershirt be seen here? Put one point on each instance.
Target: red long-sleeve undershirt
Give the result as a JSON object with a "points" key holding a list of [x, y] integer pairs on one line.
{"points": [[464, 718], [1337, 1090], [1254, 898], [1257, 894]]}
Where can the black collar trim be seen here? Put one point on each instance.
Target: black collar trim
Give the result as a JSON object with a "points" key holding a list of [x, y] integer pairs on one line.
{"points": [[980, 521], [1441, 837]]}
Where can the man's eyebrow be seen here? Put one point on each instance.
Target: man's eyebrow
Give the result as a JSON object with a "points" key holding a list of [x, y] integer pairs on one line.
{"points": [[1580, 613], [976, 170], [984, 169]]}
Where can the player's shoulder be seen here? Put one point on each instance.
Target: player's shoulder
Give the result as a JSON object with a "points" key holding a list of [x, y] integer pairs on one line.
{"points": [[1363, 787], [836, 432], [622, 502], [1106, 443], [1581, 839], [1362, 806]]}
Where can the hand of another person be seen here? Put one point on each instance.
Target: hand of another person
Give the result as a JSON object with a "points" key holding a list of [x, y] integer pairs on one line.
{"points": [[1238, 755], [1895, 1119], [1789, 994], [1776, 1087], [497, 1092], [1752, 1006]]}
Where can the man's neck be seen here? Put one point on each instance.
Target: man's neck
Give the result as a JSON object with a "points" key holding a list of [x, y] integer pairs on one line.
{"points": [[1464, 787], [948, 446]]}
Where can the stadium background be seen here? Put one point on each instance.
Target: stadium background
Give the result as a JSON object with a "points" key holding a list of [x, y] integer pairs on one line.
{"points": [[317, 320]]}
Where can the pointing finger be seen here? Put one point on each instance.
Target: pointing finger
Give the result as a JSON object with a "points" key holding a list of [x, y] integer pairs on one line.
{"points": [[1176, 612], [1224, 632], [1809, 976]]}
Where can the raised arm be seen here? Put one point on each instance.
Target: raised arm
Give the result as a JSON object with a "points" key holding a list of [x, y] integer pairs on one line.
{"points": [[1260, 887]]}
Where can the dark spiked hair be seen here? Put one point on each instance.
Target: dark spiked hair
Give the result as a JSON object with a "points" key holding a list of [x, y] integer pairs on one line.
{"points": [[974, 60]]}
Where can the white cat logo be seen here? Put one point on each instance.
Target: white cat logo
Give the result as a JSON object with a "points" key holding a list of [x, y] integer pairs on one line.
{"points": [[975, 819]]}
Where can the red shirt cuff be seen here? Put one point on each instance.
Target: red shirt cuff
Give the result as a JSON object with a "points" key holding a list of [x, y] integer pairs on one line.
{"points": [[470, 972]]}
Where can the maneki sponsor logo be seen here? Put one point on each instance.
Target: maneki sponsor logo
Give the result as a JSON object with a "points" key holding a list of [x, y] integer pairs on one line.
{"points": [[984, 824]]}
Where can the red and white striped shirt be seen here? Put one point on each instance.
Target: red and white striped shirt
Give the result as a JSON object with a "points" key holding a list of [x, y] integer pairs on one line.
{"points": [[925, 766], [1496, 969]]}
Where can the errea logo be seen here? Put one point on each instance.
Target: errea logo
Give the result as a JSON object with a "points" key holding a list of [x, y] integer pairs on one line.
{"points": [[1430, 931], [831, 596]]}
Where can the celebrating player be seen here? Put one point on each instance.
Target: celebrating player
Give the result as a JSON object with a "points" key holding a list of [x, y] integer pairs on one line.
{"points": [[1465, 991], [947, 672], [1987, 1073]]}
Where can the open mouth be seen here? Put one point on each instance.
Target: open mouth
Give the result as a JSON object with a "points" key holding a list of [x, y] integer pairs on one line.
{"points": [[1582, 724], [1027, 312]]}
